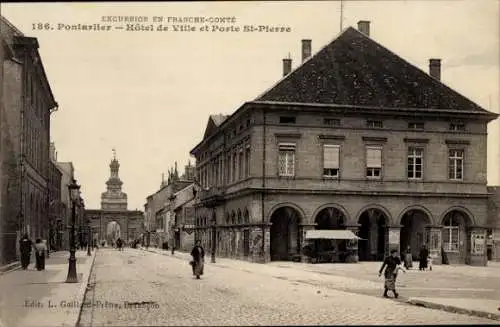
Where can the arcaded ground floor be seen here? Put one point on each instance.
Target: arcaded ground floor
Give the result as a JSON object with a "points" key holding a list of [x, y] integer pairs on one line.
{"points": [[274, 229]]}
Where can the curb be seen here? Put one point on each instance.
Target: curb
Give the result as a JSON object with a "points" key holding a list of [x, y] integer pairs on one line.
{"points": [[453, 309], [10, 267], [85, 289]]}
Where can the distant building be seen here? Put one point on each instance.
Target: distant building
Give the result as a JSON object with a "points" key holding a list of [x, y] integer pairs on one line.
{"points": [[27, 102], [357, 141], [56, 206], [165, 211], [114, 218], [493, 224], [67, 175]]}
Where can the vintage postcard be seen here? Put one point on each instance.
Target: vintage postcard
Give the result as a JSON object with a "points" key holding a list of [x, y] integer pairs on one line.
{"points": [[229, 163]]}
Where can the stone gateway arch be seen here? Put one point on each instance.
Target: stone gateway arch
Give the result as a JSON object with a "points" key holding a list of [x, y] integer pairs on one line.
{"points": [[114, 220]]}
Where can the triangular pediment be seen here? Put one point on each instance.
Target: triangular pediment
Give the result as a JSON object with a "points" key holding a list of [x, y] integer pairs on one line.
{"points": [[214, 121]]}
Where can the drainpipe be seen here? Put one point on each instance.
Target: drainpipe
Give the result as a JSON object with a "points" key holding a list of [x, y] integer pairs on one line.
{"points": [[263, 182]]}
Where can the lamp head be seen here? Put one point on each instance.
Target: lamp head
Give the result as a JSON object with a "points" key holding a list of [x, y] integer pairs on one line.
{"points": [[74, 190]]}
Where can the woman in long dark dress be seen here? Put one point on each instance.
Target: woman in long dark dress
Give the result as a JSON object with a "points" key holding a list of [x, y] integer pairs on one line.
{"points": [[424, 254], [391, 264], [25, 246], [198, 254], [40, 249]]}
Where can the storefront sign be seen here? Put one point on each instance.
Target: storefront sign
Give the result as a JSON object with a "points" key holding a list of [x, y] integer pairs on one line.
{"points": [[478, 243]]}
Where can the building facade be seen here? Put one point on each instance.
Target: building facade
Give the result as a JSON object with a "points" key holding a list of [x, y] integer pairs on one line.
{"points": [[56, 208], [370, 144], [62, 230], [113, 220], [163, 225], [27, 102], [493, 233]]}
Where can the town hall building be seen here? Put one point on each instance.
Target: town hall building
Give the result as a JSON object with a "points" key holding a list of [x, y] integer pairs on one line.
{"points": [[357, 140]]}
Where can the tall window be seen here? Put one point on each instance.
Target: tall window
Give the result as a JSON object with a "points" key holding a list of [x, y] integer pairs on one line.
{"points": [[417, 125], [455, 164], [286, 164], [235, 166], [451, 234], [373, 161], [331, 154], [247, 161], [415, 163], [241, 163]]}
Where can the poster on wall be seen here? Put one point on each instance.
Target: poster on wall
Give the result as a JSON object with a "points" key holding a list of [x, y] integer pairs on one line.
{"points": [[393, 237], [478, 243]]}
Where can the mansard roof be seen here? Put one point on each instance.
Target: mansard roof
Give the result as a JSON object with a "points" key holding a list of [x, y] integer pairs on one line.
{"points": [[355, 70], [214, 121]]}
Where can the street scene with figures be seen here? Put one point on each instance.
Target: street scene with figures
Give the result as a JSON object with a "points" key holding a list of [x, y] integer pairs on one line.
{"points": [[358, 186]]}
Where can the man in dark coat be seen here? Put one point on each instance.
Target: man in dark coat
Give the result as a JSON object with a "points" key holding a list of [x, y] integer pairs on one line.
{"points": [[198, 254], [424, 254], [25, 246], [391, 265]]}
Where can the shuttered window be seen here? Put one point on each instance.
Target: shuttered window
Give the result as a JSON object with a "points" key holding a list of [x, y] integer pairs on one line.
{"points": [[373, 161], [286, 160], [331, 162]]}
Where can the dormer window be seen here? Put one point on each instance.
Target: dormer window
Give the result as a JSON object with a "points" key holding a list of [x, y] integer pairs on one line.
{"points": [[457, 126], [417, 126], [333, 122], [374, 124], [287, 120]]}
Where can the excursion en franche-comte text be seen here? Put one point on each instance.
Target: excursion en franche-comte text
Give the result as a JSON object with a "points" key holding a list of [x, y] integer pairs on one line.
{"points": [[163, 24]]}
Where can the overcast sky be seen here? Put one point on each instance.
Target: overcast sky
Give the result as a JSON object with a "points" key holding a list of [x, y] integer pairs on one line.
{"points": [[149, 94]]}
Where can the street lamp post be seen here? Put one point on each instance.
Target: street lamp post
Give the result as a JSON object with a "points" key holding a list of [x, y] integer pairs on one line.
{"points": [[74, 192], [214, 236]]}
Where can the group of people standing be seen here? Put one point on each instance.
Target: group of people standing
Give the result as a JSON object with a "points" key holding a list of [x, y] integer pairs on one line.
{"points": [[26, 246], [424, 258]]}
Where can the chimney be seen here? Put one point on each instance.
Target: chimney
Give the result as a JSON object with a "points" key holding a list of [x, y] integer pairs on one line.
{"points": [[435, 68], [364, 27], [287, 66], [306, 49]]}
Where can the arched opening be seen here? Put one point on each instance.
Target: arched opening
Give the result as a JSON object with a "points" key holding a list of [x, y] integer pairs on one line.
{"points": [[113, 232], [329, 218], [455, 241], [285, 233], [240, 221], [246, 216], [413, 234], [373, 232]]}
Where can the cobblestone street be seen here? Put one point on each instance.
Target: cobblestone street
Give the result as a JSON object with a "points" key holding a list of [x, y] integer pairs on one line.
{"points": [[160, 290]]}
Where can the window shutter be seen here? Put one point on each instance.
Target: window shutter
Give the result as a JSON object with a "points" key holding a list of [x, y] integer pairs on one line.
{"points": [[374, 157], [331, 156]]}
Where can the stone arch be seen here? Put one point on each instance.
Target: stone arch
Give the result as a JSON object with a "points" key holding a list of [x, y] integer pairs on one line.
{"points": [[373, 232], [228, 218], [416, 208], [382, 209], [109, 234], [413, 234], [233, 217], [468, 216], [347, 217], [285, 204], [239, 216], [284, 232]]}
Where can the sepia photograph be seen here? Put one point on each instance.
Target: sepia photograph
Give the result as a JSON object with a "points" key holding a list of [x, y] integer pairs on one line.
{"points": [[250, 163]]}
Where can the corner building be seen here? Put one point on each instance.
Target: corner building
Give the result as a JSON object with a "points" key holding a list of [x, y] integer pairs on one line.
{"points": [[354, 138]]}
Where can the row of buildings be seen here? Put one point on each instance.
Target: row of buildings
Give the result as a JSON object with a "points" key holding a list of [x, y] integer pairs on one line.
{"points": [[34, 196], [354, 139]]}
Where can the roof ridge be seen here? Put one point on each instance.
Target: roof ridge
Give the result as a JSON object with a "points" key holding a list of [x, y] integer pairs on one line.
{"points": [[302, 63]]}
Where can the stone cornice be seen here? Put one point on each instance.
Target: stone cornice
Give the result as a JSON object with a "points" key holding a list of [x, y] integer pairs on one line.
{"points": [[374, 139], [331, 137], [288, 135], [416, 140], [457, 142]]}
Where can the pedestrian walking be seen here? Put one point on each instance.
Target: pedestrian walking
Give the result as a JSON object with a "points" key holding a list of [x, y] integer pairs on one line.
{"points": [[429, 262], [423, 256], [408, 260], [25, 246], [392, 265], [40, 249], [119, 244], [198, 262]]}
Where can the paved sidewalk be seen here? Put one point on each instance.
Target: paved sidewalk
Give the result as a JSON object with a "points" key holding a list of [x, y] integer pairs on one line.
{"points": [[459, 289], [31, 298]]}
